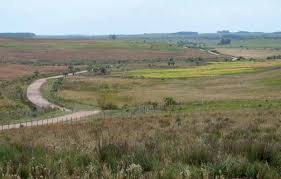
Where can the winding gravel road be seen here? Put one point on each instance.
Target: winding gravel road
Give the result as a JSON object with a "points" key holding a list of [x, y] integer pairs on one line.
{"points": [[35, 96]]}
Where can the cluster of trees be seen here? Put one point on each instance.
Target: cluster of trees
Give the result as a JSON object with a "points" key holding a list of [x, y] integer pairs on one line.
{"points": [[225, 41], [71, 69], [171, 62], [112, 37], [17, 35], [274, 57], [101, 69], [182, 43]]}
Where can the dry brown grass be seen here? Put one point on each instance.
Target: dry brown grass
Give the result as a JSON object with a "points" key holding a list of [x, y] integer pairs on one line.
{"points": [[65, 50], [249, 53], [137, 131], [12, 71]]}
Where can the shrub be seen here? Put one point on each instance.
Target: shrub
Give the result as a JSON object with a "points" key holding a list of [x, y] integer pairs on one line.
{"points": [[261, 152], [197, 156], [109, 106], [274, 57], [57, 84], [111, 154], [134, 171], [144, 159], [169, 101]]}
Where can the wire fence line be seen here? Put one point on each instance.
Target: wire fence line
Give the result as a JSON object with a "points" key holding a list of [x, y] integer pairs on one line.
{"points": [[51, 121], [130, 112]]}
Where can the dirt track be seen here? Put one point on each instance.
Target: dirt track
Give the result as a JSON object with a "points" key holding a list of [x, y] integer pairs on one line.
{"points": [[70, 117], [34, 95]]}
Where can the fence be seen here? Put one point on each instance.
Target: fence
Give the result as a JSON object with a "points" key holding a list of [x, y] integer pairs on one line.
{"points": [[51, 121], [78, 116]]}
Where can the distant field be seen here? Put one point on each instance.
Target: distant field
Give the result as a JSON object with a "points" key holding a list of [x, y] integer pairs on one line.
{"points": [[255, 43], [259, 43], [214, 69], [249, 53], [11, 71], [64, 51]]}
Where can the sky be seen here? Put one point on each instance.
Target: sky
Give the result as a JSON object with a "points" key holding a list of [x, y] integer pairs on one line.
{"points": [[98, 17]]}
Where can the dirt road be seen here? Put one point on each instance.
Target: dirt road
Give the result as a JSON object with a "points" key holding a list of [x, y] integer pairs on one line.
{"points": [[66, 118], [35, 96]]}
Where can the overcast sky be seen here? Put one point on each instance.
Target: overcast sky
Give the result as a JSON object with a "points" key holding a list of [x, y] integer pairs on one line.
{"points": [[95, 17]]}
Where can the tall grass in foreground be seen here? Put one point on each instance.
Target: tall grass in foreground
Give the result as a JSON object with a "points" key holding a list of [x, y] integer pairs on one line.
{"points": [[222, 144]]}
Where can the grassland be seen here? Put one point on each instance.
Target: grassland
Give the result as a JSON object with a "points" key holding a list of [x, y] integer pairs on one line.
{"points": [[249, 53], [226, 144], [214, 69], [236, 91], [86, 51], [248, 43], [258, 43], [199, 119], [14, 71]]}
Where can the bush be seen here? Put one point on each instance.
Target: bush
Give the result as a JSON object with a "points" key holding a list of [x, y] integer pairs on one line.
{"points": [[109, 106], [144, 159], [169, 101], [111, 154], [261, 152], [274, 57], [197, 156], [57, 84]]}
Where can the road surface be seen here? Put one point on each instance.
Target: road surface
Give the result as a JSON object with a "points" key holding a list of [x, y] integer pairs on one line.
{"points": [[35, 96]]}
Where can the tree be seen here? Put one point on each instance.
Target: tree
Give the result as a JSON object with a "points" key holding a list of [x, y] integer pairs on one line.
{"points": [[169, 101], [113, 37], [90, 68], [77, 69], [171, 62], [36, 74], [71, 69], [225, 41], [65, 74], [103, 70]]}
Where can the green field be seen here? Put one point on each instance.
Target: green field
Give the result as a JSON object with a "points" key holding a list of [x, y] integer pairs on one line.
{"points": [[213, 69]]}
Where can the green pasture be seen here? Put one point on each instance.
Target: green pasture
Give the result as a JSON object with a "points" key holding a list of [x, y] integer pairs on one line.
{"points": [[212, 69]]}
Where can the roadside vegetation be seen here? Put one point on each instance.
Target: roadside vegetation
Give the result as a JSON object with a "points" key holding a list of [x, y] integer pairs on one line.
{"points": [[14, 105]]}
